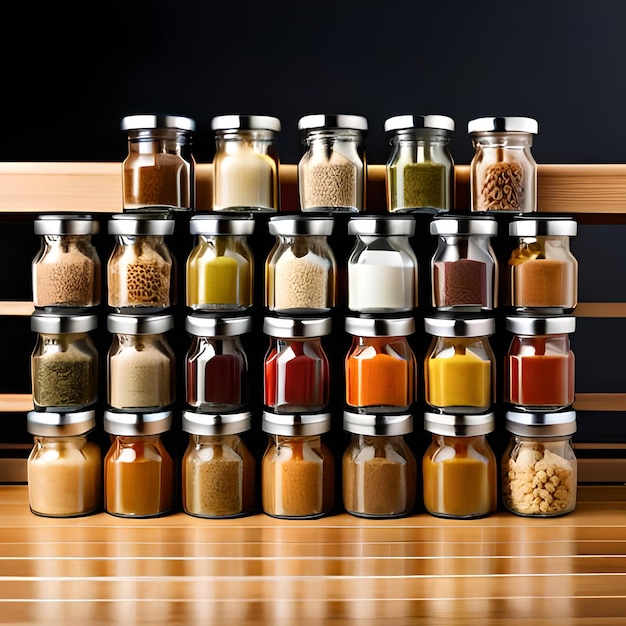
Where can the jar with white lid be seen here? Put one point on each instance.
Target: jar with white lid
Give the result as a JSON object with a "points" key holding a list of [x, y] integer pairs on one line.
{"points": [[159, 170], [332, 169], [464, 267], [420, 168], [140, 268], [298, 468], [66, 270], [382, 266], [64, 362], [543, 272], [379, 477], [141, 365], [459, 468], [138, 468], [503, 171], [64, 467], [460, 366], [300, 269], [539, 366], [539, 466], [218, 470], [220, 267], [246, 163]]}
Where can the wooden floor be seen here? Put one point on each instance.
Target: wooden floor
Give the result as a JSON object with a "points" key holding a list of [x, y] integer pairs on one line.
{"points": [[339, 570]]}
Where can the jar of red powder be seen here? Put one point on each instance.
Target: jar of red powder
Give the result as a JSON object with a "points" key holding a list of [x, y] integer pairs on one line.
{"points": [[539, 369]]}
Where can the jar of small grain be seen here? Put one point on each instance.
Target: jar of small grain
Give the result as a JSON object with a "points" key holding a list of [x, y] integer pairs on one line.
{"points": [[139, 269], [159, 170], [298, 469], [138, 469], [379, 475], [64, 363], [218, 470], [539, 466], [64, 467], [459, 468], [332, 169], [66, 270], [300, 269], [246, 163], [420, 168], [220, 267], [503, 171], [382, 266], [543, 272]]}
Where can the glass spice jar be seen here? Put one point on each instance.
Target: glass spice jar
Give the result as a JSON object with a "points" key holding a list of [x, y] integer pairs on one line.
{"points": [[140, 362], [220, 267], [296, 368], [300, 269], [459, 468], [159, 170], [66, 270], [460, 367], [539, 366], [382, 266], [543, 273], [246, 163], [332, 169], [298, 468], [380, 366], [218, 470], [64, 362], [539, 466], [379, 476], [139, 269], [64, 467], [464, 267], [503, 171], [216, 365], [138, 469], [419, 172]]}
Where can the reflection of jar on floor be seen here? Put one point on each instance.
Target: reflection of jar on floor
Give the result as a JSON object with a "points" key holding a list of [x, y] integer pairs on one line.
{"points": [[379, 470]]}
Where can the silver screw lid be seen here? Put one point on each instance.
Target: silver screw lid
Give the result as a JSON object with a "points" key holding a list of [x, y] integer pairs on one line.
{"points": [[130, 224], [541, 325], [41, 322], [460, 327], [134, 424], [377, 424], [66, 224], [558, 424], [503, 125], [459, 425], [139, 324], [196, 423], [291, 225], [51, 424], [382, 225], [464, 225], [322, 121], [295, 328], [295, 424], [246, 122], [206, 325], [145, 122], [380, 327], [407, 122], [548, 226], [205, 224]]}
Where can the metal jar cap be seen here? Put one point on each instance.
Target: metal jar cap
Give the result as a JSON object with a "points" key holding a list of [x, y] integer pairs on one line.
{"points": [[380, 327], [296, 424], [295, 328], [503, 125], [139, 324], [134, 424], [246, 122], [321, 121], [377, 424], [196, 423], [555, 226], [146, 122], [41, 322], [207, 325], [407, 122], [66, 225], [460, 327], [459, 425], [139, 224], [558, 424], [464, 225], [51, 424], [221, 224], [557, 325], [300, 225], [382, 225]]}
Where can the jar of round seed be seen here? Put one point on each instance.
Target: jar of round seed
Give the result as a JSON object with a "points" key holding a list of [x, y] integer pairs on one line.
{"points": [[332, 169], [503, 171], [539, 466], [379, 475], [218, 470], [64, 363], [64, 467], [246, 163], [382, 266], [300, 269], [298, 468], [139, 269], [159, 170], [220, 267], [420, 168]]}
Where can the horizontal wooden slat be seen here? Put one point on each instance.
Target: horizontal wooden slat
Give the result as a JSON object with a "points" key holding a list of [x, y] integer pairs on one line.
{"points": [[18, 309], [600, 402], [15, 402]]}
